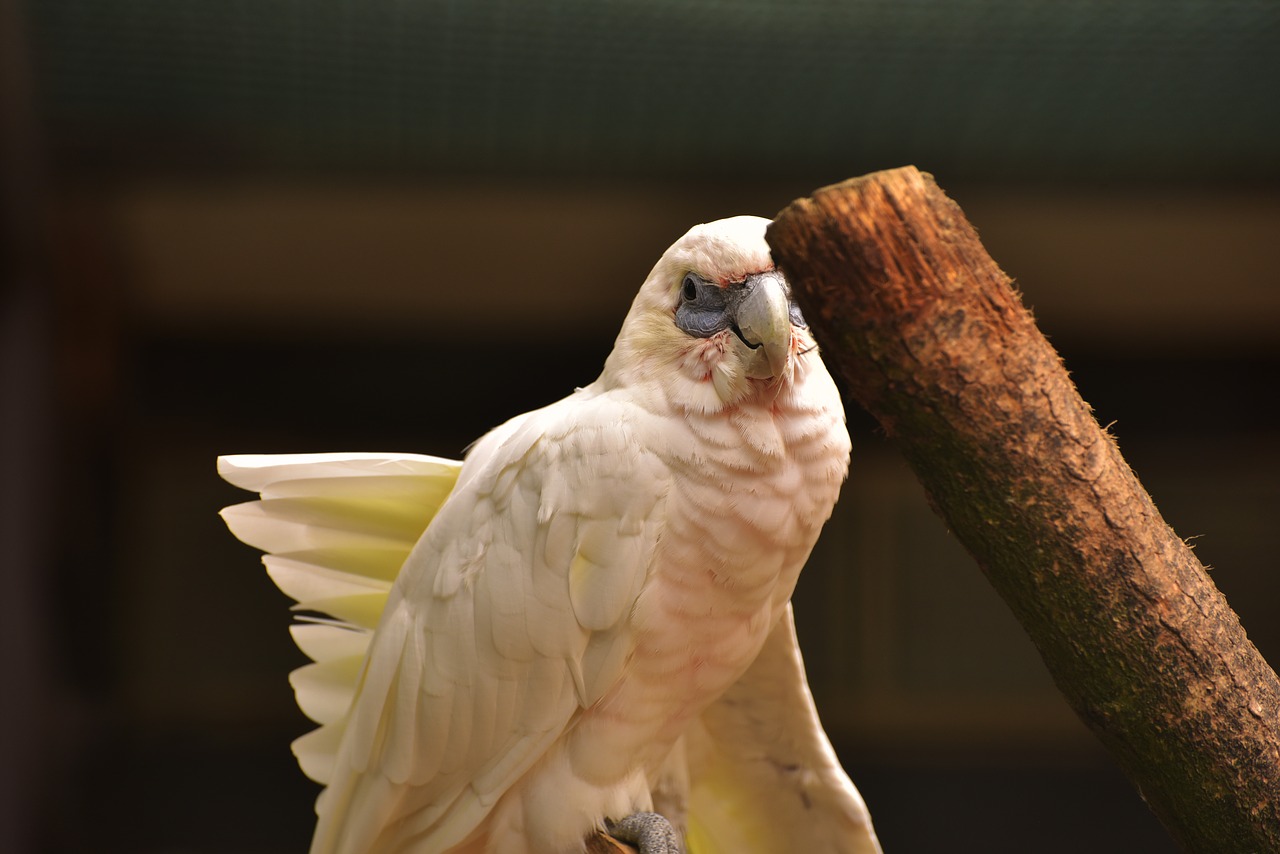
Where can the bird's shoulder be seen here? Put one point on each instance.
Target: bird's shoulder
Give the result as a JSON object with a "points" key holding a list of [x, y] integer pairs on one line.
{"points": [[592, 435]]}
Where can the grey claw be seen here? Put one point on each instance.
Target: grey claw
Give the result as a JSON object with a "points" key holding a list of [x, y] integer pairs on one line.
{"points": [[648, 831]]}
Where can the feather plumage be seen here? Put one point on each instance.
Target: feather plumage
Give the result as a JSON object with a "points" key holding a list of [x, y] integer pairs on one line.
{"points": [[559, 618]]}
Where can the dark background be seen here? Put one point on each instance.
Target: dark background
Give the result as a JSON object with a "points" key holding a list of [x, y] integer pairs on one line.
{"points": [[309, 225]]}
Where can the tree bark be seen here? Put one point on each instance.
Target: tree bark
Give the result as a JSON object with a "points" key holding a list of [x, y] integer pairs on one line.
{"points": [[932, 339]]}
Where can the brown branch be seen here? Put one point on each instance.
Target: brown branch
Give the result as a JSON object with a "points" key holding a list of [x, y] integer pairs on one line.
{"points": [[602, 843], [933, 341]]}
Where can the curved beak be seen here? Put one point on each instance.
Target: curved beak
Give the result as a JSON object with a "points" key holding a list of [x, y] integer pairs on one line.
{"points": [[763, 319]]}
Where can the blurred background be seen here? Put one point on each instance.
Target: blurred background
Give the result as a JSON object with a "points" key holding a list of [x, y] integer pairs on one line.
{"points": [[312, 225]]}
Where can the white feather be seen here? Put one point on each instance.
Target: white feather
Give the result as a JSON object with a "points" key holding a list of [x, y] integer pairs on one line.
{"points": [[316, 751], [472, 620], [324, 689], [284, 525], [337, 528], [763, 776], [259, 472], [304, 582], [326, 642], [589, 580]]}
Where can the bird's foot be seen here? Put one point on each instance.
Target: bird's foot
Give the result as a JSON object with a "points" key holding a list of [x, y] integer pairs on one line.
{"points": [[648, 831]]}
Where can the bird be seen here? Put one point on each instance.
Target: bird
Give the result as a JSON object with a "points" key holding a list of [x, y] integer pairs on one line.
{"points": [[585, 625]]}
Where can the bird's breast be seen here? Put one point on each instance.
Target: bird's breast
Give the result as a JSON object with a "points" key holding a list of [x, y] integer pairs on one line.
{"points": [[741, 521]]}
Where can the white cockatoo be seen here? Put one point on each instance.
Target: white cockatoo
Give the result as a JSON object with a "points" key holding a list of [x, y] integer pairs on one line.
{"points": [[587, 621]]}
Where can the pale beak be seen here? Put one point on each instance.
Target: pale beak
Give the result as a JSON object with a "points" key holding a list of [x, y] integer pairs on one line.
{"points": [[763, 317]]}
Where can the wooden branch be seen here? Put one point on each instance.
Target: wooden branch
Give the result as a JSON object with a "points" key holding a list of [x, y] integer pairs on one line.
{"points": [[602, 843], [932, 339]]}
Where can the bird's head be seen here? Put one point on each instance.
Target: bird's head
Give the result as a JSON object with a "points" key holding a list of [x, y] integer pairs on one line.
{"points": [[714, 323]]}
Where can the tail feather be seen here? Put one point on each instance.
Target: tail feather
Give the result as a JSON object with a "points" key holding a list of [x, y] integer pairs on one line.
{"points": [[336, 529]]}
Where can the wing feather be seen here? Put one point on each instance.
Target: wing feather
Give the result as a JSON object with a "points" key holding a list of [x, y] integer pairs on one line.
{"points": [[337, 529], [263, 472], [763, 774], [360, 610], [322, 642], [317, 751], [304, 581], [511, 613], [323, 689]]}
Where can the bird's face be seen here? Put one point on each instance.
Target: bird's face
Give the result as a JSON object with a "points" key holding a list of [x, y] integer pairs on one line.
{"points": [[714, 323]]}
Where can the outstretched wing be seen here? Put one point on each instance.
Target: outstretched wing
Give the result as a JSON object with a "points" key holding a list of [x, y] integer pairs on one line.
{"points": [[763, 776], [336, 529], [509, 616]]}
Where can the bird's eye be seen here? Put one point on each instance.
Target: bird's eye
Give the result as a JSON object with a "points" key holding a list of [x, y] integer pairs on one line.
{"points": [[703, 310], [689, 290]]}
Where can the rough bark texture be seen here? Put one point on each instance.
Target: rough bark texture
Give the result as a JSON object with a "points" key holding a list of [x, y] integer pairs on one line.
{"points": [[932, 339]]}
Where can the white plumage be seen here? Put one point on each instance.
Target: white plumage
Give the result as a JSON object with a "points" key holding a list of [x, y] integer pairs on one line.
{"points": [[562, 629]]}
